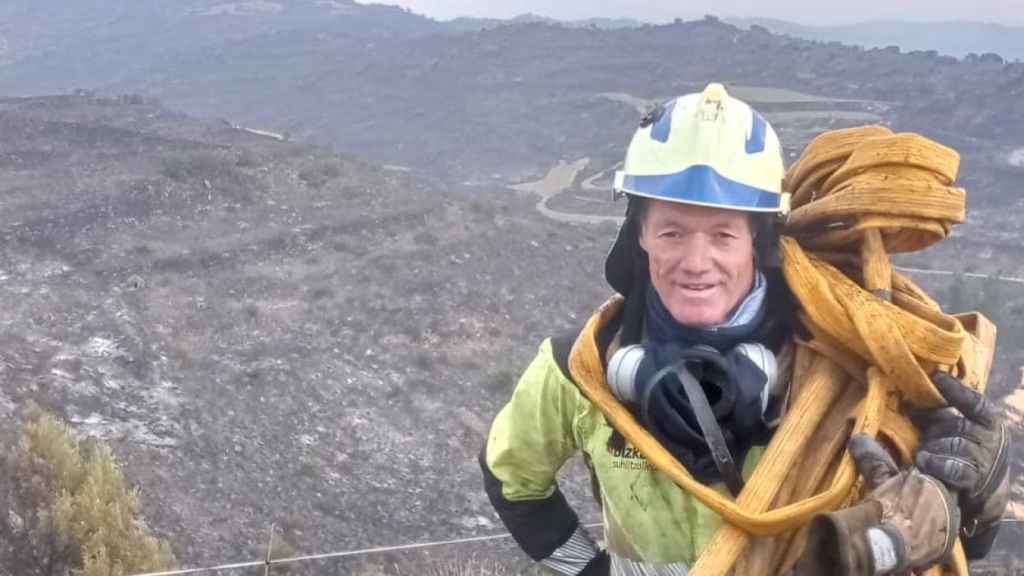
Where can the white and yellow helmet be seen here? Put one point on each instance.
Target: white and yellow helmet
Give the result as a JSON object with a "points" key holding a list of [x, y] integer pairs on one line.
{"points": [[708, 149]]}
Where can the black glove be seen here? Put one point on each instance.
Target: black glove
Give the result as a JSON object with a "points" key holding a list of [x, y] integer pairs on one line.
{"points": [[908, 521], [967, 447]]}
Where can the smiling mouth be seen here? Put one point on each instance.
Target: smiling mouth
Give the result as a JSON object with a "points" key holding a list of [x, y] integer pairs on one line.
{"points": [[695, 288]]}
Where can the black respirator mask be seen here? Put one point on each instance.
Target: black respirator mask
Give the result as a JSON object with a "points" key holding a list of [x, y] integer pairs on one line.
{"points": [[705, 407]]}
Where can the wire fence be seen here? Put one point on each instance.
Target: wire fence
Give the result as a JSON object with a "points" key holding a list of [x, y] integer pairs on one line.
{"points": [[268, 562]]}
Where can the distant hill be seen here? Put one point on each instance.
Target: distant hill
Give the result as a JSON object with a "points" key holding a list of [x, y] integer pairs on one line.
{"points": [[469, 102], [500, 104], [472, 99], [51, 46], [953, 38]]}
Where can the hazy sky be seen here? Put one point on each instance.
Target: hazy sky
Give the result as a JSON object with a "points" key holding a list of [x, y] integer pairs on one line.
{"points": [[1009, 12]]}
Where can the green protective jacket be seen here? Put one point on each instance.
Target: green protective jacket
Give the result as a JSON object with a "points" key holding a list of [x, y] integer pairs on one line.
{"points": [[648, 519]]}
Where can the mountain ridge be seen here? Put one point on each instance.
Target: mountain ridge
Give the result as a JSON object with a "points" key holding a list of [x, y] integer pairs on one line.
{"points": [[954, 38]]}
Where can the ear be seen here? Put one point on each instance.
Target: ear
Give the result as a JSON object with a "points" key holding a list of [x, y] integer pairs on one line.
{"points": [[766, 241]]}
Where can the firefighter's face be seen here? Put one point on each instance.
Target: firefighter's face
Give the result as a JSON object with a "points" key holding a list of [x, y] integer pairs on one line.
{"points": [[701, 259]]}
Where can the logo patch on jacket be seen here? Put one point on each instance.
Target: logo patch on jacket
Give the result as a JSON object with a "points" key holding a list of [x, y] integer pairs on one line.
{"points": [[625, 456]]}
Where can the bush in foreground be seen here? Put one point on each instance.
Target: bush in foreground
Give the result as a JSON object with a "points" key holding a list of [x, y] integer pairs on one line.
{"points": [[71, 509]]}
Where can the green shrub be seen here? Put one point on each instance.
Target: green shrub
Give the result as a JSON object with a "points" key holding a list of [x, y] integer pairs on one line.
{"points": [[79, 516]]}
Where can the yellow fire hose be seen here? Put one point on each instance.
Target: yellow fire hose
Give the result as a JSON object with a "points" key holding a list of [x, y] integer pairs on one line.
{"points": [[858, 195]]}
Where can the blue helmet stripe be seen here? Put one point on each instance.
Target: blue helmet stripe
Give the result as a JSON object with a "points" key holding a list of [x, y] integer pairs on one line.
{"points": [[758, 128], [702, 185], [663, 127]]}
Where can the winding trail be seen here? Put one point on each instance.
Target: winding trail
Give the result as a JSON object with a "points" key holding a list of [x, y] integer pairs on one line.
{"points": [[589, 185], [559, 178]]}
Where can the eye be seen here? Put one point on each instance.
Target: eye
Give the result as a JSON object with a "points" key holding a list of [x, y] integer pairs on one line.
{"points": [[669, 234], [725, 235]]}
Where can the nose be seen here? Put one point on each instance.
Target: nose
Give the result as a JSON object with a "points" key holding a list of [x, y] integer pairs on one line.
{"points": [[695, 255]]}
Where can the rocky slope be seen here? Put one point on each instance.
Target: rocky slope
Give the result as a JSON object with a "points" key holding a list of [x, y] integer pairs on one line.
{"points": [[267, 333]]}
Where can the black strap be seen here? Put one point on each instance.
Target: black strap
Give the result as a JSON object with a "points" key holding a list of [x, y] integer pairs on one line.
{"points": [[561, 346], [708, 425]]}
